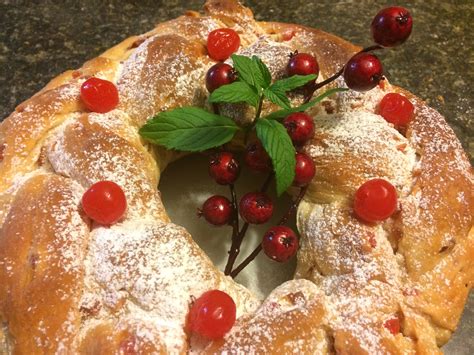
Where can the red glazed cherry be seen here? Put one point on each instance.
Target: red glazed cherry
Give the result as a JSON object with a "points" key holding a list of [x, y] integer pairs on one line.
{"points": [[396, 109], [393, 325], [300, 127], [104, 202], [375, 200], [363, 72], [219, 74], [257, 158], [304, 170], [391, 26], [256, 207], [212, 315], [302, 64], [99, 95], [224, 168], [217, 210], [280, 243], [221, 43]]}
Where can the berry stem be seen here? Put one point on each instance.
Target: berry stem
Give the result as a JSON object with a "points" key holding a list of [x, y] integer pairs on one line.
{"points": [[235, 213], [238, 236], [282, 221], [338, 73], [259, 109]]}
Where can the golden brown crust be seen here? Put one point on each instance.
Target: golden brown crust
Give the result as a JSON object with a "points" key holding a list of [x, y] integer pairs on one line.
{"points": [[109, 290]]}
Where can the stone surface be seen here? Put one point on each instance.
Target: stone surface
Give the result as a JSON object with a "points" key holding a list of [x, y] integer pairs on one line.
{"points": [[40, 39]]}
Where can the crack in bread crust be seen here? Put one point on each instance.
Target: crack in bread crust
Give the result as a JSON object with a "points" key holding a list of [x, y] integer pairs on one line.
{"points": [[66, 283]]}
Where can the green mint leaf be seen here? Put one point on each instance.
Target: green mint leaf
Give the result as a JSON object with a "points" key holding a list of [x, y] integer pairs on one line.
{"points": [[277, 97], [238, 91], [189, 129], [266, 75], [277, 115], [292, 82], [277, 143], [248, 71]]}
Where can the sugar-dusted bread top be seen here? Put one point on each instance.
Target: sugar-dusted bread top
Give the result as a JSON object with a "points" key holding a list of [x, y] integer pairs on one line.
{"points": [[69, 285]]}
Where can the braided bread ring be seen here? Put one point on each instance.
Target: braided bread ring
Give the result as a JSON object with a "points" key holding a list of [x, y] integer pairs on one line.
{"points": [[68, 285]]}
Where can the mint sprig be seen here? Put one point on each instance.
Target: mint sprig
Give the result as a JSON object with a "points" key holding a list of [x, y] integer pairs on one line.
{"points": [[238, 91], [194, 129], [189, 129], [277, 115], [279, 147]]}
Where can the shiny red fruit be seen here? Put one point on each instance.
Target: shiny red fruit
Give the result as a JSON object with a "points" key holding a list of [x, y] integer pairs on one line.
{"points": [[363, 72], [219, 74], [104, 202], [222, 43], [375, 200], [256, 207], [217, 210], [393, 325], [391, 26], [302, 64], [257, 158], [396, 109], [99, 95], [224, 168], [300, 127], [304, 170], [212, 315], [280, 243]]}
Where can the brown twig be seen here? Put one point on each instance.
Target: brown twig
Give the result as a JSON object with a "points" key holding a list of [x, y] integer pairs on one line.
{"points": [[338, 73], [237, 238], [282, 221]]}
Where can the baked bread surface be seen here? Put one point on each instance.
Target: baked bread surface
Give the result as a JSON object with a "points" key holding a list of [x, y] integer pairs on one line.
{"points": [[68, 285]]}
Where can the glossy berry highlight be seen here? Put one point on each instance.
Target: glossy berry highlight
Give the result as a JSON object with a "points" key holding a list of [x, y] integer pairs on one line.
{"points": [[256, 207], [212, 315], [217, 210], [104, 202], [99, 95], [300, 127], [396, 109], [304, 170], [280, 243], [375, 200], [256, 157], [391, 26], [218, 75], [302, 64], [222, 43], [224, 168], [363, 72]]}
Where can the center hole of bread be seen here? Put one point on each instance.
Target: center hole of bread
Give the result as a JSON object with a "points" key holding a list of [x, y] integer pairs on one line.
{"points": [[185, 185]]}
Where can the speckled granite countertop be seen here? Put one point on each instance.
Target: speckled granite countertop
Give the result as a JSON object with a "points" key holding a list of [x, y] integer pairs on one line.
{"points": [[40, 39]]}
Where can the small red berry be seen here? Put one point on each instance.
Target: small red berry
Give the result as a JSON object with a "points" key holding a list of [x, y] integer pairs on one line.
{"points": [[280, 243], [304, 170], [219, 74], [375, 200], [396, 109], [99, 95], [300, 127], [222, 43], [217, 210], [363, 72], [256, 207], [302, 64], [104, 202], [391, 26], [212, 315], [257, 158], [224, 168], [393, 325]]}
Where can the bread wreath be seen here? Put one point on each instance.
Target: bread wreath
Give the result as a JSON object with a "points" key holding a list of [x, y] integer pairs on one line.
{"points": [[70, 286]]}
